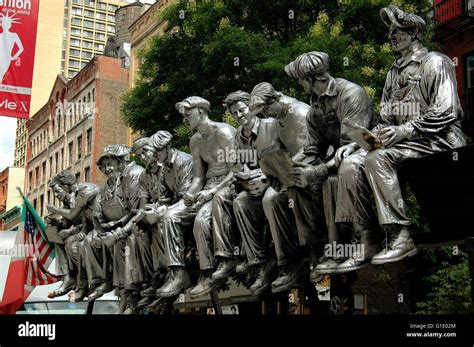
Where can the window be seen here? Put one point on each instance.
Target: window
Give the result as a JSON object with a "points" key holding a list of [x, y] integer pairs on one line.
{"points": [[78, 176], [30, 180], [110, 28], [73, 63], [75, 31], [100, 26], [470, 70], [62, 158], [71, 153], [37, 176], [88, 24], [87, 174], [75, 42], [88, 33], [86, 44], [41, 204], [89, 140], [51, 166], [99, 15], [76, 21], [35, 204], [56, 156], [79, 147], [112, 8], [77, 11], [75, 52], [99, 46], [100, 37], [86, 55], [111, 18], [43, 177], [88, 13]]}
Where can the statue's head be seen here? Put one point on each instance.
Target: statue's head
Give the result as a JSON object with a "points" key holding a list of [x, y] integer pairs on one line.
{"points": [[139, 147], [62, 184], [264, 99], [114, 160], [312, 71], [237, 103], [194, 110], [160, 143], [404, 28]]}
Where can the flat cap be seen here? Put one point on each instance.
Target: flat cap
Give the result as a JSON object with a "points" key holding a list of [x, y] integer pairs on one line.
{"points": [[161, 139], [393, 16], [308, 64], [192, 102], [114, 151], [139, 143]]}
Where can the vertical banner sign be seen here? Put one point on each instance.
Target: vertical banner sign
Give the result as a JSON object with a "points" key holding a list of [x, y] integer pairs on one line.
{"points": [[18, 24]]}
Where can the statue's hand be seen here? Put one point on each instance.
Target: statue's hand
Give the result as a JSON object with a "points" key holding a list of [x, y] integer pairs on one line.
{"points": [[299, 175], [257, 186], [392, 135], [96, 240], [189, 199], [51, 208], [343, 152], [204, 195]]}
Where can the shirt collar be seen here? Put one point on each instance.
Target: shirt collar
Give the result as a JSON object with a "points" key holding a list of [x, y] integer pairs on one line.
{"points": [[174, 154], [331, 90], [254, 130], [415, 56]]}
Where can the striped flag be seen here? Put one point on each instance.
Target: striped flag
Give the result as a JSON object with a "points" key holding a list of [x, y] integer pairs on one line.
{"points": [[42, 254], [31, 256]]}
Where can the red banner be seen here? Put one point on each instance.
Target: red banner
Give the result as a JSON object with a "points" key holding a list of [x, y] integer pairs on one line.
{"points": [[18, 24]]}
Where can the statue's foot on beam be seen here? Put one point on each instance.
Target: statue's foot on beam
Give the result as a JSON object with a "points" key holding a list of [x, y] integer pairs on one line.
{"points": [[69, 282]]}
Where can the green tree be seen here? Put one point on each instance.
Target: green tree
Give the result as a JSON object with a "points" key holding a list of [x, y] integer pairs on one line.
{"points": [[213, 48]]}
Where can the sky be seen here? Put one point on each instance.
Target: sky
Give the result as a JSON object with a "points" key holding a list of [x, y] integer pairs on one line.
{"points": [[7, 141]]}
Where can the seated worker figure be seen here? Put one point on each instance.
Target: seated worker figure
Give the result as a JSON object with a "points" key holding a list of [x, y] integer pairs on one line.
{"points": [[238, 208], [209, 176]]}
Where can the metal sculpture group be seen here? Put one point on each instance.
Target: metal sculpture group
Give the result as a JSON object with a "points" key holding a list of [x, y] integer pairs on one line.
{"points": [[276, 189]]}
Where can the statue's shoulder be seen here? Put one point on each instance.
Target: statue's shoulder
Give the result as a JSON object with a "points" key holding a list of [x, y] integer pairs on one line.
{"points": [[133, 170], [87, 188], [224, 130], [299, 108], [436, 59], [183, 156]]}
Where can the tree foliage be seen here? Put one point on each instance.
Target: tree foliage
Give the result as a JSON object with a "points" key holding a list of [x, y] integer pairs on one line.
{"points": [[212, 48]]}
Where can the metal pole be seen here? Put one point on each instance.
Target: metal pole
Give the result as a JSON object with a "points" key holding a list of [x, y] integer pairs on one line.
{"points": [[90, 307], [215, 302]]}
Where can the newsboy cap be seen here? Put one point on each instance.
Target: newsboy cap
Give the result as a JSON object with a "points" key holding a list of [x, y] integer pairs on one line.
{"points": [[393, 16], [161, 139], [192, 102], [139, 143], [308, 64], [120, 152]]}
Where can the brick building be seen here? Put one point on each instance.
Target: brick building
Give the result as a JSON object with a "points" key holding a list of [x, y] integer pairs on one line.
{"points": [[71, 130], [454, 31], [10, 200]]}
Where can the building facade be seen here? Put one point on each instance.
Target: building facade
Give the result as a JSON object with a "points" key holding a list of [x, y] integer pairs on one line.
{"points": [[70, 131], [87, 24], [70, 33], [454, 31], [10, 201]]}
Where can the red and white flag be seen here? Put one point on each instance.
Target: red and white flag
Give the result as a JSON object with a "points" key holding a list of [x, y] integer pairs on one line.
{"points": [[31, 256]]}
